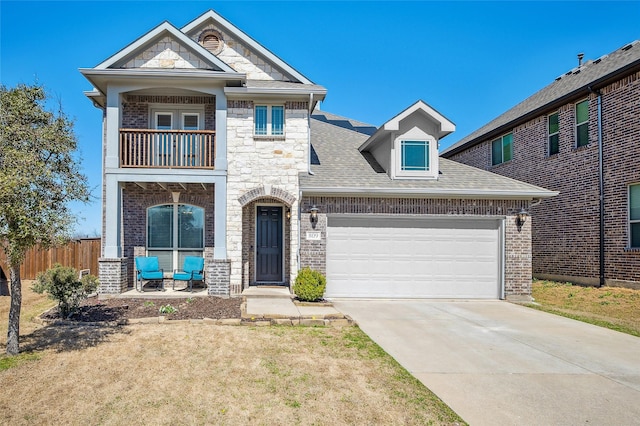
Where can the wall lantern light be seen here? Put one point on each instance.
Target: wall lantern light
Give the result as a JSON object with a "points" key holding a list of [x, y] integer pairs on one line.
{"points": [[521, 218], [313, 215], [288, 214]]}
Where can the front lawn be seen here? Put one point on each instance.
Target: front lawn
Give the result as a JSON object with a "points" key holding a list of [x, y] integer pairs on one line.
{"points": [[197, 373], [612, 307]]}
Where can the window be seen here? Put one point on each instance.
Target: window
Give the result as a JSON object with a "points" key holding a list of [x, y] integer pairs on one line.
{"points": [[173, 232], [269, 120], [414, 155], [502, 149], [554, 134], [634, 216], [582, 123]]}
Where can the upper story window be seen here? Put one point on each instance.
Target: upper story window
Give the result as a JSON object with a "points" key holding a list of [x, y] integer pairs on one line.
{"points": [[634, 216], [553, 127], [502, 149], [269, 120], [582, 123], [173, 232], [414, 155]]}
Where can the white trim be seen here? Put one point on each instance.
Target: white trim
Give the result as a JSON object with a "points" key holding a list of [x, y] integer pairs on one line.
{"points": [[437, 193], [156, 33], [269, 130]]}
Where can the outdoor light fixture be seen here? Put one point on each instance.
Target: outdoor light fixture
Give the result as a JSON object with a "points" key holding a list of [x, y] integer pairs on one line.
{"points": [[521, 218], [313, 215], [288, 214]]}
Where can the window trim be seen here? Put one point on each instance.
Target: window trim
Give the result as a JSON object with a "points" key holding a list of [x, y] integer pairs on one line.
{"points": [[431, 153], [269, 125], [577, 125], [501, 139], [629, 220], [175, 249], [550, 135]]}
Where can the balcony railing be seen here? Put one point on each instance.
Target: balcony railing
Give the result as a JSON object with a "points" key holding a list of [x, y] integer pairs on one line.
{"points": [[193, 149]]}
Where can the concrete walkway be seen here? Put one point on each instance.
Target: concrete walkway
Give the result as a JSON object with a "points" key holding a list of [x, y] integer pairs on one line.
{"points": [[276, 303], [497, 363]]}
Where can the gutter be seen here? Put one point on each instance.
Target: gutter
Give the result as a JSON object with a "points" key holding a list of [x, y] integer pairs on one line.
{"points": [[600, 186], [421, 192], [309, 135]]}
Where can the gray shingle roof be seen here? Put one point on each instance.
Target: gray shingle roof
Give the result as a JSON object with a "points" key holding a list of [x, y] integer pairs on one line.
{"points": [[339, 168], [570, 85]]}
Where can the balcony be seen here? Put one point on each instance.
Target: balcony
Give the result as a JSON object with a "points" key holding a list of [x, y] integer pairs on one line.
{"points": [[173, 149]]}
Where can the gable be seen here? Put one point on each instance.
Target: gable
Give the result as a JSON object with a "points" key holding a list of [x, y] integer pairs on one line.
{"points": [[164, 47], [241, 52], [168, 53]]}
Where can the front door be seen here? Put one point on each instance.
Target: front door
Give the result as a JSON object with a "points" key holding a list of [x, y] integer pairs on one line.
{"points": [[269, 244]]}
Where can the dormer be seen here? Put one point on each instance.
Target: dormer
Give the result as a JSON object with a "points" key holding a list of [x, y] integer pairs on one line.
{"points": [[407, 145]]}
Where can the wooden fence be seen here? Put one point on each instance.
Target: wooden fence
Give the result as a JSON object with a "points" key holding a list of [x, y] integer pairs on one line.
{"points": [[79, 254]]}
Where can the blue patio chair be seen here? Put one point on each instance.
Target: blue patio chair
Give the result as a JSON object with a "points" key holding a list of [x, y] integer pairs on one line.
{"points": [[148, 268], [192, 270]]}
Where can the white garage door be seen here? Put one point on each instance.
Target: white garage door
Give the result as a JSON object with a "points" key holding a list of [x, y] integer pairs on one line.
{"points": [[413, 257]]}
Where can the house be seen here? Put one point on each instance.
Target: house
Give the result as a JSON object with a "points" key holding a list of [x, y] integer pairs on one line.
{"points": [[577, 136], [214, 147]]}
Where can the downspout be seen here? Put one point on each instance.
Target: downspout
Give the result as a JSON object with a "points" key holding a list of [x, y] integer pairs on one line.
{"points": [[600, 184], [309, 134]]}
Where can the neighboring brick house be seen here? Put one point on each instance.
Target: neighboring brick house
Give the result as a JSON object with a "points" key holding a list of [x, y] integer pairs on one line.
{"points": [[214, 147], [579, 136]]}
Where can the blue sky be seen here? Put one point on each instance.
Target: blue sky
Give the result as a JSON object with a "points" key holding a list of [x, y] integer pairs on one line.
{"points": [[469, 60]]}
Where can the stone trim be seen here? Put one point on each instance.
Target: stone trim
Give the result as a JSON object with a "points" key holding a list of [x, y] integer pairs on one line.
{"points": [[217, 274], [267, 191]]}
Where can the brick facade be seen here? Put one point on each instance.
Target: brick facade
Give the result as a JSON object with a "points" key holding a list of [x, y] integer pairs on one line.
{"points": [[113, 276], [136, 201], [517, 244], [566, 228]]}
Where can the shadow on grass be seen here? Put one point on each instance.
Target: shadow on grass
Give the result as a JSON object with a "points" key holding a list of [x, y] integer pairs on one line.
{"points": [[63, 338]]}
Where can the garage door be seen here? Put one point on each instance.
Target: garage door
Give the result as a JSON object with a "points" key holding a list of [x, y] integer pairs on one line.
{"points": [[413, 257]]}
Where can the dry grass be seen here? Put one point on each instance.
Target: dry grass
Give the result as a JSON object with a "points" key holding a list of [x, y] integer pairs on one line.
{"points": [[204, 374], [33, 304], [611, 307]]}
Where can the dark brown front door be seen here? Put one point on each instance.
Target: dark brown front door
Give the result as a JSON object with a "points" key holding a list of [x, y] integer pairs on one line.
{"points": [[269, 244]]}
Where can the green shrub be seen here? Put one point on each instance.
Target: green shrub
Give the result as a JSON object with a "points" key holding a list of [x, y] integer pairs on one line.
{"points": [[309, 285], [63, 285]]}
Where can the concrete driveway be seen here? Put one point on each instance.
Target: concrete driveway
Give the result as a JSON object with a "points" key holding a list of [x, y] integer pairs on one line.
{"points": [[496, 363]]}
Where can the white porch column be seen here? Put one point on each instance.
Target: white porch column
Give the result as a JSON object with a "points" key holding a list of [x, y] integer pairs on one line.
{"points": [[112, 217], [221, 131]]}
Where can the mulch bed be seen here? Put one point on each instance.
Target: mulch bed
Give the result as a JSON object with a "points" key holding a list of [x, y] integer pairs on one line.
{"points": [[96, 310]]}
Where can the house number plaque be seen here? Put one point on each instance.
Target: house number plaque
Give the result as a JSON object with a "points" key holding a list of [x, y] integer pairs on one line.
{"points": [[314, 236]]}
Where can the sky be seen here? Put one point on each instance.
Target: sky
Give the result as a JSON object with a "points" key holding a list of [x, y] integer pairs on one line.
{"points": [[471, 61]]}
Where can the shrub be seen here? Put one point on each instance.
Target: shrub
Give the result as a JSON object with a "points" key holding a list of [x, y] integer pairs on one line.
{"points": [[309, 285], [63, 285]]}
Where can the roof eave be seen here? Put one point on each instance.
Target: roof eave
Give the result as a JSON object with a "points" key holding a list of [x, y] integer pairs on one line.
{"points": [[433, 193], [549, 106], [319, 94]]}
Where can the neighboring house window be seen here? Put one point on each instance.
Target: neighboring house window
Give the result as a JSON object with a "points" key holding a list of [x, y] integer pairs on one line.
{"points": [[634, 216], [414, 155], [554, 134], [173, 232], [582, 123], [269, 120], [502, 149]]}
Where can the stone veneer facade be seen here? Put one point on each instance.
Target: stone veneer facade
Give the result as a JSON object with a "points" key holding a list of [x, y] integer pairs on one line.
{"points": [[267, 167], [517, 242], [566, 228]]}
